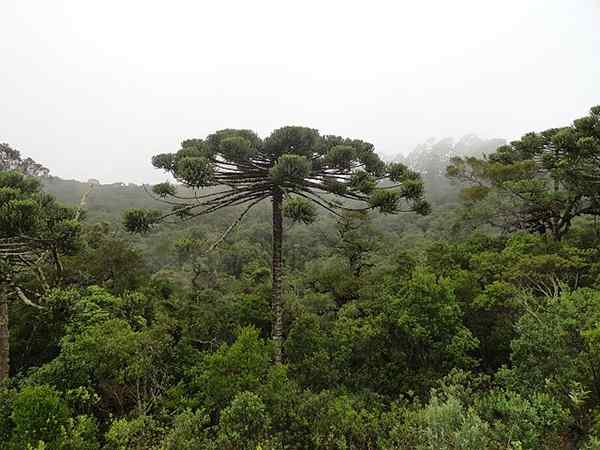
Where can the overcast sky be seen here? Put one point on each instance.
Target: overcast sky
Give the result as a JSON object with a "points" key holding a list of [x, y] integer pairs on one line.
{"points": [[95, 88]]}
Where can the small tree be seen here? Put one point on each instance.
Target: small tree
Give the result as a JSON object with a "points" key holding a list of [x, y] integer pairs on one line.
{"points": [[541, 182], [10, 159], [294, 163], [34, 231]]}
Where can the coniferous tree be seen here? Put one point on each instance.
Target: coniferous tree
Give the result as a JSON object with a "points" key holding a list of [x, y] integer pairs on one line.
{"points": [[294, 164], [542, 181], [34, 231]]}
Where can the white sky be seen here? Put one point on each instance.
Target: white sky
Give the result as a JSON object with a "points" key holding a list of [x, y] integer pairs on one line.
{"points": [[95, 88]]}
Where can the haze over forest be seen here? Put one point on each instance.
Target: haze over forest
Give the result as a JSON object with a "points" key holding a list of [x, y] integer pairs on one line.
{"points": [[329, 225], [94, 89]]}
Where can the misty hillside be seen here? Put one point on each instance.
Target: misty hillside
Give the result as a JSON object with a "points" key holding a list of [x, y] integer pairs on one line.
{"points": [[103, 202], [217, 233], [242, 309], [432, 157]]}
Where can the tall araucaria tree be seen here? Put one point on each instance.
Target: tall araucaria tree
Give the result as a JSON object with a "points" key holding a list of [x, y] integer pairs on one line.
{"points": [[296, 168]]}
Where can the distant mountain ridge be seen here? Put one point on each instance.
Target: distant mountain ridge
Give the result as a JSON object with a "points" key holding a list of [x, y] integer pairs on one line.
{"points": [[432, 156]]}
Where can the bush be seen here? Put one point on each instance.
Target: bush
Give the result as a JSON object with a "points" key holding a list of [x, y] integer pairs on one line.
{"points": [[7, 398], [242, 366], [139, 433], [528, 422], [446, 425], [39, 414], [189, 432], [329, 420], [244, 423], [82, 434]]}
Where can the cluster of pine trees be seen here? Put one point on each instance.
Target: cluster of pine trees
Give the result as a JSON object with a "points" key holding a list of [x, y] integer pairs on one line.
{"points": [[297, 292]]}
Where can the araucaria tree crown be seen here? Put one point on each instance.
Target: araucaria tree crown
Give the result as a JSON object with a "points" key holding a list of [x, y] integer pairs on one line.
{"points": [[295, 161], [540, 182], [295, 164]]}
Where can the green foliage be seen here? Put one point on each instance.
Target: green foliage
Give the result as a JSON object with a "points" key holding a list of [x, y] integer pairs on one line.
{"points": [[416, 331], [164, 189], [122, 358], [300, 210], [245, 423], [82, 434], [163, 161], [107, 260], [341, 156], [526, 422], [407, 333], [38, 414], [557, 346], [549, 177], [189, 432], [331, 420], [399, 172], [26, 210], [449, 425], [290, 169], [362, 182], [7, 398], [140, 220], [194, 171], [242, 366], [385, 201], [139, 433], [287, 140], [11, 160], [236, 148]]}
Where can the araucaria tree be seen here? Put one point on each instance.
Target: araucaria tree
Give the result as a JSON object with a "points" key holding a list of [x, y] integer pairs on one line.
{"points": [[34, 231], [296, 168], [541, 182]]}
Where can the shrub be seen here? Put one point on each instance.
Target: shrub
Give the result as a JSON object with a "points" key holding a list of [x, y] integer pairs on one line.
{"points": [[189, 432], [139, 433], [38, 414], [245, 422]]}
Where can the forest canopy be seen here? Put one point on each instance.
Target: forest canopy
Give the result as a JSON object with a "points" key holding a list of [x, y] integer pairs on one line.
{"points": [[270, 297]]}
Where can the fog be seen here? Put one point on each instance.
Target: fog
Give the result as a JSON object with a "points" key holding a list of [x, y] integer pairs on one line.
{"points": [[94, 89]]}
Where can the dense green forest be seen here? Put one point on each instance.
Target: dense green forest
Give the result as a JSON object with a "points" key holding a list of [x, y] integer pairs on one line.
{"points": [[449, 299]]}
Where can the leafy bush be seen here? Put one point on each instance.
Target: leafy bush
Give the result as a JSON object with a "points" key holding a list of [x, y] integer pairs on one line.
{"points": [[245, 423], [189, 431], [242, 366], [138, 433], [39, 414]]}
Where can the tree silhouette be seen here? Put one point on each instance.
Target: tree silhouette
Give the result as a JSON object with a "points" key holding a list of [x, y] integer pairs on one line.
{"points": [[295, 164], [10, 159]]}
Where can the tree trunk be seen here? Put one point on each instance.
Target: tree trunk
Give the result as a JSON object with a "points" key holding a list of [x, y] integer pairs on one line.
{"points": [[4, 338], [276, 300]]}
